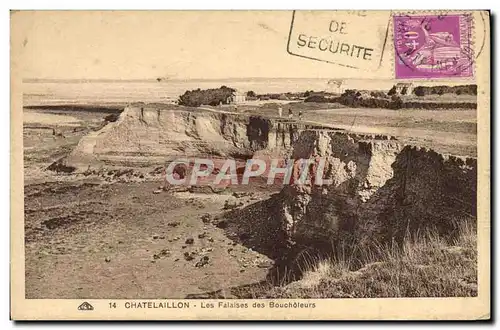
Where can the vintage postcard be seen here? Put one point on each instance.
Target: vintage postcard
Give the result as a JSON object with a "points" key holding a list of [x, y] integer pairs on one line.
{"points": [[250, 165]]}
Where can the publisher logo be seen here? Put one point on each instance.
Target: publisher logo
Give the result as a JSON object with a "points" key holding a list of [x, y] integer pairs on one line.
{"points": [[85, 306]]}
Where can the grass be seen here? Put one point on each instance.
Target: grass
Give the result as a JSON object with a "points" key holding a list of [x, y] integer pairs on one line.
{"points": [[449, 97], [425, 265]]}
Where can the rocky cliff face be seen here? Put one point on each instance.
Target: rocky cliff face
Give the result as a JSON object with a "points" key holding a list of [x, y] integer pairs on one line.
{"points": [[380, 188], [145, 135]]}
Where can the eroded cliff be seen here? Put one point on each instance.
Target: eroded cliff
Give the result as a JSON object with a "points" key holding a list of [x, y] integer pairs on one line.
{"points": [[380, 191], [146, 135]]}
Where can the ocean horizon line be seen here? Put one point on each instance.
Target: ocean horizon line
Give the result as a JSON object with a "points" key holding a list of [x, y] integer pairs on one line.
{"points": [[155, 80]]}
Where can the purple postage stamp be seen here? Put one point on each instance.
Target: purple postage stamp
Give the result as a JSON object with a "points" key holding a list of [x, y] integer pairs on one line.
{"points": [[433, 46]]}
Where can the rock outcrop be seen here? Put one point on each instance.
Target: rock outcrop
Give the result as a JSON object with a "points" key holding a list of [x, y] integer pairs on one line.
{"points": [[380, 191], [152, 134]]}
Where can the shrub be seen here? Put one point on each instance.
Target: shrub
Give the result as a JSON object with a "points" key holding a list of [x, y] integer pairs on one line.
{"points": [[112, 117], [396, 103], [350, 98], [424, 265], [197, 97], [353, 98], [317, 98], [392, 91], [440, 90], [308, 93], [419, 91]]}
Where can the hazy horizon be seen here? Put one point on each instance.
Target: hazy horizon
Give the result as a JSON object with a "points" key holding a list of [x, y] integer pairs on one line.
{"points": [[353, 83], [150, 90], [172, 45]]}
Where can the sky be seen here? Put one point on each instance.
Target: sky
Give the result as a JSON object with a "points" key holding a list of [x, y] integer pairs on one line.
{"points": [[169, 44], [175, 44]]}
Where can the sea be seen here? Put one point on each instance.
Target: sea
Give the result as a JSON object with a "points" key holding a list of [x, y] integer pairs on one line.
{"points": [[40, 91]]}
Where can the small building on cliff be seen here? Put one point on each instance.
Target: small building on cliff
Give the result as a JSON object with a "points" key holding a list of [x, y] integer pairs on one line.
{"points": [[404, 88], [336, 86], [236, 97]]}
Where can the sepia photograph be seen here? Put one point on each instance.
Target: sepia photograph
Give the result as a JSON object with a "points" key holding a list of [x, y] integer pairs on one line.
{"points": [[218, 160]]}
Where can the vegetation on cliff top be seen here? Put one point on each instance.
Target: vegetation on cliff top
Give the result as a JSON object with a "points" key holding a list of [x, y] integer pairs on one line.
{"points": [[423, 266], [362, 99], [440, 90]]}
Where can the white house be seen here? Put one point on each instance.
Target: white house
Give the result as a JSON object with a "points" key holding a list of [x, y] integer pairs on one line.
{"points": [[335, 86], [236, 97]]}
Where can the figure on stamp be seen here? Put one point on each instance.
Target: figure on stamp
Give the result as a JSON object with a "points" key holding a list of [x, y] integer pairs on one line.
{"points": [[440, 50]]}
